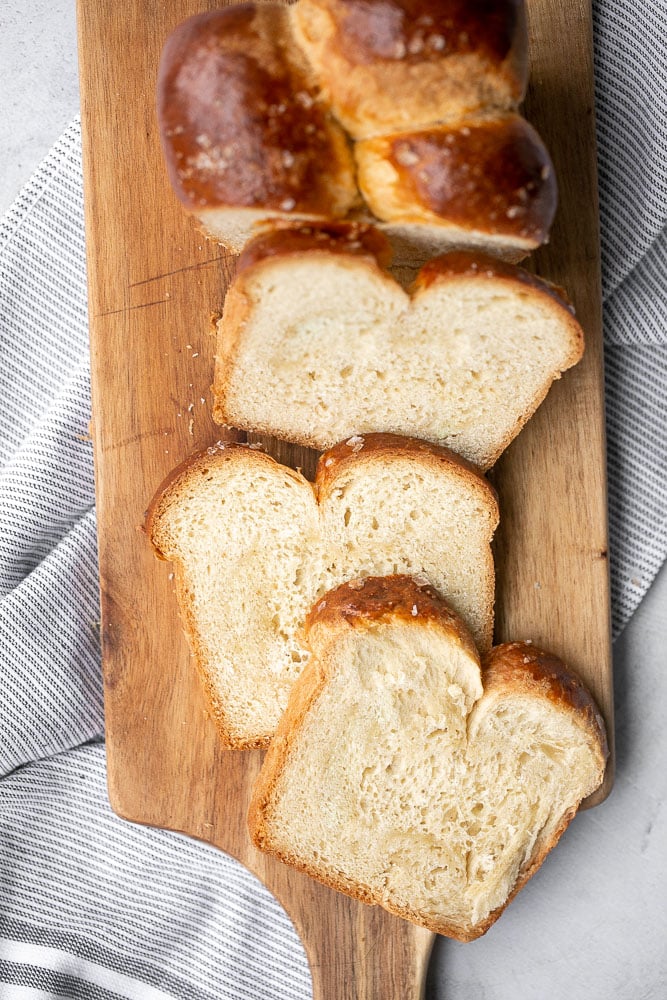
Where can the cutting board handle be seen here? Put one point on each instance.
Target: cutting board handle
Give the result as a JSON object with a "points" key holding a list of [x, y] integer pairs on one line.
{"points": [[355, 952]]}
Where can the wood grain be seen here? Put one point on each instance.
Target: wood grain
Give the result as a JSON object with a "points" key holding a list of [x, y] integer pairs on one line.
{"points": [[153, 283]]}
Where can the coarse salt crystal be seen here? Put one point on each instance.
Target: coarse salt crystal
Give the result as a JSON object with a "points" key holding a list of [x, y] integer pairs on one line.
{"points": [[406, 156], [356, 442]]}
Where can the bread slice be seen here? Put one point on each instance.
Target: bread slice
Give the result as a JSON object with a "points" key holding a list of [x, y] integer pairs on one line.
{"points": [[396, 778], [317, 344], [254, 544], [245, 135], [485, 183], [389, 66]]}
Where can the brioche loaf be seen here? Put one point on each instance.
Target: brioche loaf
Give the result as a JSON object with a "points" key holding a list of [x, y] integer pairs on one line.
{"points": [[245, 135], [486, 183], [396, 777], [245, 102], [318, 342], [400, 64], [254, 544]]}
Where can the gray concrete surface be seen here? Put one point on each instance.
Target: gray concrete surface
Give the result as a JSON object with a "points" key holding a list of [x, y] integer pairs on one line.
{"points": [[39, 93], [592, 924]]}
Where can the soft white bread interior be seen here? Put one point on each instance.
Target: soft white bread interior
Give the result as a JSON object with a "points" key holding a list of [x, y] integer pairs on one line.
{"points": [[317, 343], [254, 544], [396, 778], [404, 63], [245, 135]]}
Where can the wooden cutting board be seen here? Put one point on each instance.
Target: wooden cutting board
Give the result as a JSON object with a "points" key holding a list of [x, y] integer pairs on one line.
{"points": [[154, 281]]}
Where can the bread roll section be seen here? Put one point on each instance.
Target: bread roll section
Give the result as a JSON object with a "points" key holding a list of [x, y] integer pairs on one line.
{"points": [[406, 776], [405, 63], [267, 113]]}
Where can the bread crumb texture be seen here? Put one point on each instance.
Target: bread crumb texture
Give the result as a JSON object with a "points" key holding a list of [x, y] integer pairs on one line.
{"points": [[319, 347], [396, 777], [254, 545]]}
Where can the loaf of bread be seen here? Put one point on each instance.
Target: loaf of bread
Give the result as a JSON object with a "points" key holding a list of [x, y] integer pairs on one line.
{"points": [[246, 104], [245, 135], [318, 342], [485, 183], [399, 64], [253, 545], [405, 777]]}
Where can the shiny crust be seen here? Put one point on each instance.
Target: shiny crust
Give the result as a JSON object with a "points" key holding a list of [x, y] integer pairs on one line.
{"points": [[240, 119], [354, 238], [334, 461], [401, 63], [522, 668], [509, 668], [491, 175], [463, 263]]}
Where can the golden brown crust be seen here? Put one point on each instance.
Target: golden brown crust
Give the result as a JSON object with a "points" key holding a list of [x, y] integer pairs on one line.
{"points": [[390, 64], [417, 31], [333, 461], [463, 263], [240, 122], [491, 175], [382, 600], [522, 668], [354, 238]]}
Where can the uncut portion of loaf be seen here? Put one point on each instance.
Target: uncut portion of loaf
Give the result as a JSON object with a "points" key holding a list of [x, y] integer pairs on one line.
{"points": [[245, 135], [397, 778], [404, 63], [247, 99], [486, 183], [254, 545], [317, 344]]}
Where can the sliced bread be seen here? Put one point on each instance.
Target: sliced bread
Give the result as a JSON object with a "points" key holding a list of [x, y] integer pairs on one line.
{"points": [[318, 343], [259, 105], [403, 776], [254, 544]]}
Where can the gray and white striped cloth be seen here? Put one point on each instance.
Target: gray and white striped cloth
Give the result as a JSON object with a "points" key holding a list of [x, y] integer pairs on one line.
{"points": [[90, 906]]}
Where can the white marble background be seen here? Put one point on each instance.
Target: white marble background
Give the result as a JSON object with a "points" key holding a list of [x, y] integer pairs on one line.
{"points": [[592, 924]]}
